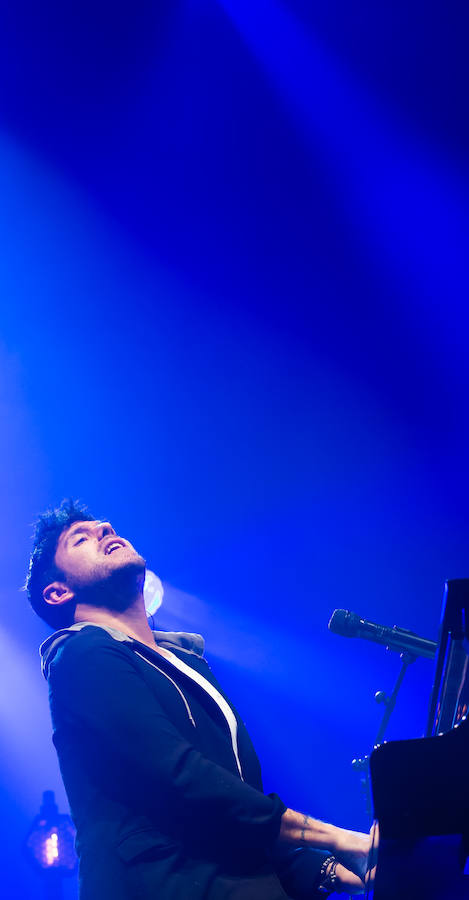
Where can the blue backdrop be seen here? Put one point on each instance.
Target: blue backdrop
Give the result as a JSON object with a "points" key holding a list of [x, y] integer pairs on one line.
{"points": [[234, 321]]}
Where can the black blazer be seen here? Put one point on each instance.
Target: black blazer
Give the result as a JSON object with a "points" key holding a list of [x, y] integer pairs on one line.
{"points": [[155, 793]]}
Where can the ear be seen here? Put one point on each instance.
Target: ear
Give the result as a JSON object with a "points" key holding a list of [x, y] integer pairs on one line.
{"points": [[57, 593]]}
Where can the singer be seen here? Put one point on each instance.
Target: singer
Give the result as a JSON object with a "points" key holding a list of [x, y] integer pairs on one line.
{"points": [[163, 782]]}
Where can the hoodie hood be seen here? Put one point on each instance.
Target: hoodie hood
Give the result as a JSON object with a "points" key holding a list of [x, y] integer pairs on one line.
{"points": [[170, 640]]}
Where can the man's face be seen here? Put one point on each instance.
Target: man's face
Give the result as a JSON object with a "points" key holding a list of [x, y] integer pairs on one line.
{"points": [[92, 554]]}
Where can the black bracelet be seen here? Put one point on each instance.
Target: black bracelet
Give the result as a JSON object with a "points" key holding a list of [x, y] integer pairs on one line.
{"points": [[328, 874]]}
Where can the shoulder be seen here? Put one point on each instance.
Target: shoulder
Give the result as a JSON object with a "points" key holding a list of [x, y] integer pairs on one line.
{"points": [[89, 645]]}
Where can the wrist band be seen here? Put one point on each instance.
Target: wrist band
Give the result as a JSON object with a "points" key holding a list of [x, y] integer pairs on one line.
{"points": [[327, 874]]}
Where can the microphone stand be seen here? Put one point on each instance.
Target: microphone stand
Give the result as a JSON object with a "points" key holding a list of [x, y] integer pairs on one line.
{"points": [[362, 765]]}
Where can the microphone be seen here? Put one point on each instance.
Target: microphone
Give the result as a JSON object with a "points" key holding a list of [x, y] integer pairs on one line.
{"points": [[348, 624]]}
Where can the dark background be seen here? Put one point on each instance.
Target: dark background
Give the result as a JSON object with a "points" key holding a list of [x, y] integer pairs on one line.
{"points": [[234, 321]]}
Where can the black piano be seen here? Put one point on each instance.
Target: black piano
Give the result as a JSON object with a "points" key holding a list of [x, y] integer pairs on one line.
{"points": [[421, 787]]}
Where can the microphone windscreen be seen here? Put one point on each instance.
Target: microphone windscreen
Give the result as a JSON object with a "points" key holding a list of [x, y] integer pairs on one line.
{"points": [[344, 622]]}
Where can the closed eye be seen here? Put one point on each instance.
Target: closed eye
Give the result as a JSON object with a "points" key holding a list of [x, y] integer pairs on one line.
{"points": [[83, 538]]}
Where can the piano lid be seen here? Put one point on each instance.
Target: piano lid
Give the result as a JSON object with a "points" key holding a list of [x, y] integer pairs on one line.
{"points": [[450, 694], [421, 786]]}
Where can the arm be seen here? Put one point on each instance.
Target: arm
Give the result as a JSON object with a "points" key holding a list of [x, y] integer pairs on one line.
{"points": [[351, 848], [301, 868]]}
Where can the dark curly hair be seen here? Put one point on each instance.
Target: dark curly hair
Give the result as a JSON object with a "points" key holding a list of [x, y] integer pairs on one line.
{"points": [[42, 568]]}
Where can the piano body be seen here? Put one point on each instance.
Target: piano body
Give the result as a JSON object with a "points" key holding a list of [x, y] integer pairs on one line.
{"points": [[421, 787]]}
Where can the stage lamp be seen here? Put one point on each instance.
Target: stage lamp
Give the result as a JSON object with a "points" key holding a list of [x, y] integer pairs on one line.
{"points": [[153, 592], [50, 844]]}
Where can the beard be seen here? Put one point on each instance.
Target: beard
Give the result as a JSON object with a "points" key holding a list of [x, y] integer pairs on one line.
{"points": [[117, 590]]}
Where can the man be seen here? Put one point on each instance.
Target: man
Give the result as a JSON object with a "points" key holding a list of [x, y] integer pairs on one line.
{"points": [[163, 782]]}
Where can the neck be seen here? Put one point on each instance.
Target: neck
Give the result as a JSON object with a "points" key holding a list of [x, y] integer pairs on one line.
{"points": [[133, 621]]}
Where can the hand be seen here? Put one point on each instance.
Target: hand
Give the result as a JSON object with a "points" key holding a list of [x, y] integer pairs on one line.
{"points": [[349, 883], [352, 849]]}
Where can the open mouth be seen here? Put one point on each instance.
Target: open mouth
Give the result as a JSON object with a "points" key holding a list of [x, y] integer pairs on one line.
{"points": [[114, 545]]}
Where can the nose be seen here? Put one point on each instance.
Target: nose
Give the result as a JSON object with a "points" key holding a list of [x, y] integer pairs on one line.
{"points": [[103, 529]]}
